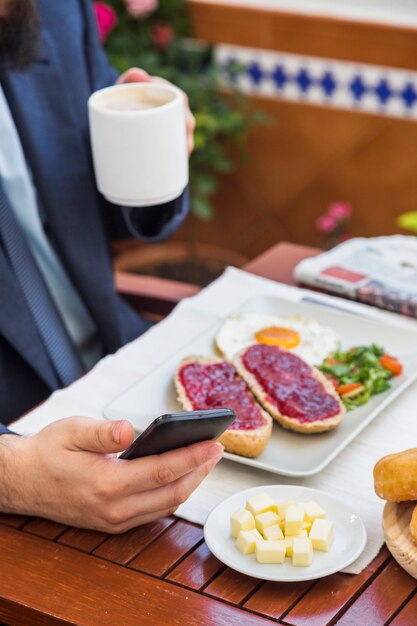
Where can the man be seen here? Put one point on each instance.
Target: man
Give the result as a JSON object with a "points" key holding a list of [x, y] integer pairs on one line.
{"points": [[59, 313]]}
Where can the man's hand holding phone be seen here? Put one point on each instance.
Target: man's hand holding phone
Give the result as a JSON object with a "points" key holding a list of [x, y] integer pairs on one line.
{"points": [[69, 472]]}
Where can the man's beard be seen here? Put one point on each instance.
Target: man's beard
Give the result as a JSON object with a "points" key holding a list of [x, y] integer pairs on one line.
{"points": [[19, 35]]}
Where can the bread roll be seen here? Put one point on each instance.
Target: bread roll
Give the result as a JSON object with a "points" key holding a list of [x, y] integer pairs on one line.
{"points": [[395, 476]]}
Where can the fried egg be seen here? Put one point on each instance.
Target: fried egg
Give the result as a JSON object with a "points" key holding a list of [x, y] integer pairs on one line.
{"points": [[306, 338]]}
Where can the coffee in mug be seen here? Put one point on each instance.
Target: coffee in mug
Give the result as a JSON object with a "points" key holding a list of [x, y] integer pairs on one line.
{"points": [[139, 143], [135, 99]]}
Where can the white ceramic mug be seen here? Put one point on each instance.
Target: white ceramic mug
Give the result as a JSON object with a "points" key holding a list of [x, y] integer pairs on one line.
{"points": [[139, 143]]}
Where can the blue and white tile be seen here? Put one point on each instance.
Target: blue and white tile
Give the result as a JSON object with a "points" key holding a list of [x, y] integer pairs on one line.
{"points": [[327, 82]]}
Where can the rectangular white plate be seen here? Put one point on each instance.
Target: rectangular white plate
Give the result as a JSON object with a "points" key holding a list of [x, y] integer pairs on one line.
{"points": [[287, 453]]}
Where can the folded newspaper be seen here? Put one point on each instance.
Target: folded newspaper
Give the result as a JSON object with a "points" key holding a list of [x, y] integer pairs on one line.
{"points": [[381, 271]]}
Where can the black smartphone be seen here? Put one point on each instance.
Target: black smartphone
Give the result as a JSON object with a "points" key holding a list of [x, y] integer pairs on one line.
{"points": [[176, 430]]}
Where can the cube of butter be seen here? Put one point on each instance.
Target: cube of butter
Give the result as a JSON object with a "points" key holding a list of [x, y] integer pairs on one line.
{"points": [[263, 520], [247, 539], [289, 541], [270, 552], [241, 520], [282, 508], [321, 534], [313, 511], [302, 552], [294, 519], [303, 506], [261, 503], [273, 532]]}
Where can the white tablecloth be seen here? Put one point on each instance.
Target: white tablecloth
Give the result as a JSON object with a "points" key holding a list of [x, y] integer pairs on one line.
{"points": [[349, 476]]}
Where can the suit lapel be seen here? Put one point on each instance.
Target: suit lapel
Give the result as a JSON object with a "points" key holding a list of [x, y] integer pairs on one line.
{"points": [[20, 330], [58, 155]]}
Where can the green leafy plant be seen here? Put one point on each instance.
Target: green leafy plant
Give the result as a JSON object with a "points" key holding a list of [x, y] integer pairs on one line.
{"points": [[156, 36]]}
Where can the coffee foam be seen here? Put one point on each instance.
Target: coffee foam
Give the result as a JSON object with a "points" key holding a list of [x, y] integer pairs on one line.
{"points": [[136, 99]]}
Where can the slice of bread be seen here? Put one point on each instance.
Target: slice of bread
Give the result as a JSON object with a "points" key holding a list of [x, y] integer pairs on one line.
{"points": [[316, 426], [245, 442]]}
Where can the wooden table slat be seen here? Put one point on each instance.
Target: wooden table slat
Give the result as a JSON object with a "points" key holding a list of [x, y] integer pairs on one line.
{"points": [[123, 548], [332, 594], [66, 585], [45, 528], [197, 569], [379, 602], [278, 262], [168, 549], [408, 615], [274, 599], [232, 586], [15, 521], [85, 540]]}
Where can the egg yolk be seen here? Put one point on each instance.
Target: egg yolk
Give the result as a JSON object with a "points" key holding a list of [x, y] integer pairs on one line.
{"points": [[278, 336]]}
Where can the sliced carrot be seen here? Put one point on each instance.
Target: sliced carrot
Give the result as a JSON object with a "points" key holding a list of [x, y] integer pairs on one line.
{"points": [[349, 389], [392, 364]]}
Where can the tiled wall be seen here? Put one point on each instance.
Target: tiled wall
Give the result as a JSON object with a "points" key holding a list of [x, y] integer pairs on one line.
{"points": [[311, 80]]}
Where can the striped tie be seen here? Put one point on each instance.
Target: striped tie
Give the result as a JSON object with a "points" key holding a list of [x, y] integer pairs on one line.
{"points": [[62, 353]]}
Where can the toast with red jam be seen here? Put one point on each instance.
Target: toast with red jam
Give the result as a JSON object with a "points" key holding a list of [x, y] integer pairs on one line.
{"points": [[211, 383], [297, 395]]}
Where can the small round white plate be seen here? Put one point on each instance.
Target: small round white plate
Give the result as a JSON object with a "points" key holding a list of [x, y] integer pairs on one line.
{"points": [[349, 536]]}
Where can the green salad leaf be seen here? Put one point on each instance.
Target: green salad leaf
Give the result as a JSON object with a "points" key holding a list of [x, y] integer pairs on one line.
{"points": [[360, 368]]}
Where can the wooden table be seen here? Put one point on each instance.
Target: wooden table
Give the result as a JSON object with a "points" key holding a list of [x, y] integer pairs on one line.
{"points": [[163, 573]]}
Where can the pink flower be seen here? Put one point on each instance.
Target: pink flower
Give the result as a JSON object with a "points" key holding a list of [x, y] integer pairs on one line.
{"points": [[340, 210], [326, 224], [162, 35], [106, 19], [141, 8]]}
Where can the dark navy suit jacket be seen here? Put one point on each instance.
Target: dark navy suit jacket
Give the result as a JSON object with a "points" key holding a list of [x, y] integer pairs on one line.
{"points": [[49, 106]]}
